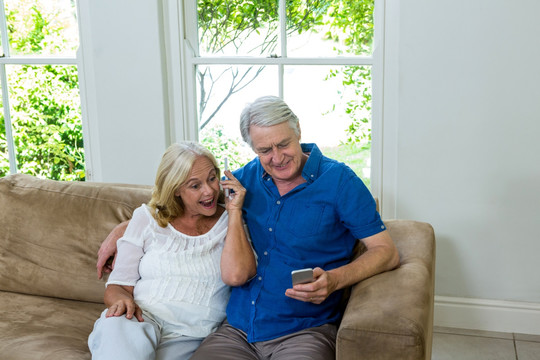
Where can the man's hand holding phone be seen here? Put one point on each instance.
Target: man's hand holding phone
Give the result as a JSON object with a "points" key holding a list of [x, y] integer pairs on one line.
{"points": [[314, 291]]}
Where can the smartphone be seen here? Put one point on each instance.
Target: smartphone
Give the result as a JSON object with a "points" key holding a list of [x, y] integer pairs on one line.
{"points": [[302, 276], [226, 161]]}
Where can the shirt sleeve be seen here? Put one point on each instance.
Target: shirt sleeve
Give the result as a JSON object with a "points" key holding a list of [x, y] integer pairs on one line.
{"points": [[130, 250], [357, 208]]}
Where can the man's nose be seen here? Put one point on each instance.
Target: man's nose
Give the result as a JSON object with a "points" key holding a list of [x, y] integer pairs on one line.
{"points": [[277, 156]]}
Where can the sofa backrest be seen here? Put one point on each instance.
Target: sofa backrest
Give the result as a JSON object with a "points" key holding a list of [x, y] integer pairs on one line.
{"points": [[50, 232]]}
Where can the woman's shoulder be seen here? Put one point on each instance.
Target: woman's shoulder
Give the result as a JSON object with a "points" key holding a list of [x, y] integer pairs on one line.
{"points": [[143, 214]]}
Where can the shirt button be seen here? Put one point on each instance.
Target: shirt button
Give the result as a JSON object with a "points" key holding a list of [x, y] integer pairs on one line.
{"points": [[260, 278], [266, 253], [270, 229], [253, 303], [312, 175], [382, 227], [278, 202]]}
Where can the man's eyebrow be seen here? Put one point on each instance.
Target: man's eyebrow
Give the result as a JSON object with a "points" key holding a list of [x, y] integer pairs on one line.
{"points": [[282, 142]]}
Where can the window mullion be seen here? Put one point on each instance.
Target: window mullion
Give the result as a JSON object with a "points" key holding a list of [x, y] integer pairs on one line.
{"points": [[5, 94], [283, 38], [26, 60], [338, 60], [7, 121], [3, 29]]}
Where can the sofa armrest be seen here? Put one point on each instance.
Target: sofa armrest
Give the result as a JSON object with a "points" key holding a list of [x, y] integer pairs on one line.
{"points": [[390, 315]]}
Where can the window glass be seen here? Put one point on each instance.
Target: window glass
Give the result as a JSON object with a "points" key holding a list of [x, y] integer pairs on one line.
{"points": [[334, 111], [324, 72], [42, 27], [227, 89], [238, 27], [46, 120], [41, 102]]}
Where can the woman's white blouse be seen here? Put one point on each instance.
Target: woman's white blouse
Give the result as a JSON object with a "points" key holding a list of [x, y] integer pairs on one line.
{"points": [[176, 277]]}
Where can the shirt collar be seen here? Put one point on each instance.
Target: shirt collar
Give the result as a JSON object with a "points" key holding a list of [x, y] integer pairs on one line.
{"points": [[310, 172]]}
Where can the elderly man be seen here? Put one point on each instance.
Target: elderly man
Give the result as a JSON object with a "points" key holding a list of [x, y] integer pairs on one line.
{"points": [[303, 210]]}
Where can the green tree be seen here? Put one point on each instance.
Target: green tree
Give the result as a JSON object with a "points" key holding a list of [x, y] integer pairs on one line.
{"points": [[352, 23], [44, 100], [224, 27]]}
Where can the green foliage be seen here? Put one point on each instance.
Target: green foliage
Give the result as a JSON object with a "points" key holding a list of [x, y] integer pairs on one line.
{"points": [[44, 100], [46, 122], [352, 22], [237, 152]]}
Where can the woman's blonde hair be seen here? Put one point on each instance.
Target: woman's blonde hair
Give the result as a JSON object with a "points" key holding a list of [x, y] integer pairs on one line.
{"points": [[173, 172]]}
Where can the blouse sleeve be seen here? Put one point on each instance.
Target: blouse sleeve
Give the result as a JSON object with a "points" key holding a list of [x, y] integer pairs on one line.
{"points": [[130, 250]]}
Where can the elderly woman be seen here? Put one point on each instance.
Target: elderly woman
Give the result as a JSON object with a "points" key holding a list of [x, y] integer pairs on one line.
{"points": [[169, 287]]}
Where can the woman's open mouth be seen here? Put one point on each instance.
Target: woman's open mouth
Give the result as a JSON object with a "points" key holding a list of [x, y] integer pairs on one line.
{"points": [[208, 204]]}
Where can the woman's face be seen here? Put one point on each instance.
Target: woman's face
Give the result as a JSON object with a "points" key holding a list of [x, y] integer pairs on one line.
{"points": [[201, 190]]}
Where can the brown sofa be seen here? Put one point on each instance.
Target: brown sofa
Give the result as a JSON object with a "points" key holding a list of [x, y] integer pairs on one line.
{"points": [[50, 296]]}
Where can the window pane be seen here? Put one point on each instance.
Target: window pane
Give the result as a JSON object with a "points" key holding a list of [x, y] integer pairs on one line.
{"points": [[329, 28], [223, 91], [42, 27], [46, 120], [238, 27], [334, 107]]}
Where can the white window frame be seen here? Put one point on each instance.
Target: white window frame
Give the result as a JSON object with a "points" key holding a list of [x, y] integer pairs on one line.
{"points": [[182, 58]]}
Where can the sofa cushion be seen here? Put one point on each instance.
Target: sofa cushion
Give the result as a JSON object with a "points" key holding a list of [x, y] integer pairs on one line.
{"points": [[50, 232], [35, 327]]}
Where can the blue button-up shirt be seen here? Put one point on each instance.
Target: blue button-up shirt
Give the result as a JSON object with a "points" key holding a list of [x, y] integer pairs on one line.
{"points": [[314, 225]]}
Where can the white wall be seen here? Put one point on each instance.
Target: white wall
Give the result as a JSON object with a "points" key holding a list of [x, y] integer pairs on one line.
{"points": [[125, 105], [461, 117], [465, 155]]}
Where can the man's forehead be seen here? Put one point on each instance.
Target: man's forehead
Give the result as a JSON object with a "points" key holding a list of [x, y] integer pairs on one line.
{"points": [[272, 135]]}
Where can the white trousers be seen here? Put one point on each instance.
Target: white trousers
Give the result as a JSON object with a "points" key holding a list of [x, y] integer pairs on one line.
{"points": [[117, 338]]}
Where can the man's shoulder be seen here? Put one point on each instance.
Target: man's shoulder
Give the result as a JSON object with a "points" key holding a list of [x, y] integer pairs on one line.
{"points": [[250, 170]]}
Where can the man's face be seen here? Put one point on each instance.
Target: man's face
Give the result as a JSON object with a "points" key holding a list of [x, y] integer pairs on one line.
{"points": [[279, 150]]}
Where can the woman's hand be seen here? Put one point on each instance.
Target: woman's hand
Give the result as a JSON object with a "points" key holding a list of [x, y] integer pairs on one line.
{"points": [[119, 301], [125, 306], [235, 201]]}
